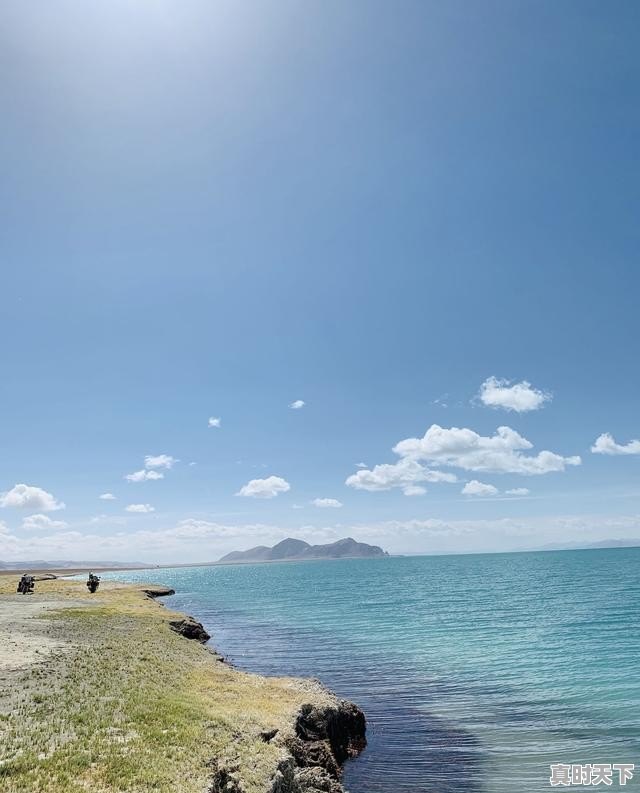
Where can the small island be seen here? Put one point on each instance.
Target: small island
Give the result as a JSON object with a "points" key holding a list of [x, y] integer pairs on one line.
{"points": [[291, 549]]}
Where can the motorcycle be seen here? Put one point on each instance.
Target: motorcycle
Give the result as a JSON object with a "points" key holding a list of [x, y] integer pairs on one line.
{"points": [[93, 583], [26, 585]]}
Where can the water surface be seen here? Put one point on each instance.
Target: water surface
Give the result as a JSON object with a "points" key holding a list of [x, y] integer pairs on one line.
{"points": [[475, 672]]}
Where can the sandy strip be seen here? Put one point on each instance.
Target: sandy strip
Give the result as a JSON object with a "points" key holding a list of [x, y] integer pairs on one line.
{"points": [[24, 629]]}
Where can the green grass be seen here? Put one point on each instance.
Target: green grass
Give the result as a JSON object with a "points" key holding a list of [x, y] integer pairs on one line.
{"points": [[128, 705]]}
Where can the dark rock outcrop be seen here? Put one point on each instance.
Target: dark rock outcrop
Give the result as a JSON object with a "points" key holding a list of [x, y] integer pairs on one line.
{"points": [[325, 738], [315, 779], [158, 591], [343, 727], [190, 629], [314, 754], [291, 779]]}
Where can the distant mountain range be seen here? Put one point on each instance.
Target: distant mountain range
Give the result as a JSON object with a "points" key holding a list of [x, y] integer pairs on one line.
{"points": [[291, 549], [41, 564], [287, 550], [585, 546]]}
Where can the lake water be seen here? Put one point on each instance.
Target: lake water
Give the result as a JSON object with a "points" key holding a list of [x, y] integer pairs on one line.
{"points": [[475, 672]]}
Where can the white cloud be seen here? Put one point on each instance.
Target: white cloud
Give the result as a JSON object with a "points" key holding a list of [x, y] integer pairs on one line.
{"points": [[605, 444], [140, 508], [520, 397], [414, 490], [403, 474], [464, 448], [297, 405], [326, 502], [160, 461], [518, 491], [264, 488], [214, 422], [38, 522], [475, 488], [144, 475], [24, 496], [149, 472], [361, 465], [185, 540], [107, 497]]}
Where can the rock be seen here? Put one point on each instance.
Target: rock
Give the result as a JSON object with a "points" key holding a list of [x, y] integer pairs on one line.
{"points": [[289, 779], [310, 780], [284, 779], [325, 737], [190, 629], [309, 754], [344, 727], [268, 735], [157, 591]]}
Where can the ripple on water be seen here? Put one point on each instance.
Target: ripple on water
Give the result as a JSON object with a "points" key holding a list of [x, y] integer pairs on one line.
{"points": [[475, 672]]}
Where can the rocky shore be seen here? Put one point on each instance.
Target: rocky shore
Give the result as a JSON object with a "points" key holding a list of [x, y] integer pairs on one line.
{"points": [[323, 739], [166, 714], [326, 737], [313, 754]]}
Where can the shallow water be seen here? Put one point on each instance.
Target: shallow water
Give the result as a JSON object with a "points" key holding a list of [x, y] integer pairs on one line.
{"points": [[475, 672]]}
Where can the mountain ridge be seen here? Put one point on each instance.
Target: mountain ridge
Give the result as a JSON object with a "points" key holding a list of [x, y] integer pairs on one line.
{"points": [[630, 542], [291, 549], [66, 564]]}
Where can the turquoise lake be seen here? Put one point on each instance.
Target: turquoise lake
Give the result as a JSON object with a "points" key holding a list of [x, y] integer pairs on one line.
{"points": [[475, 672]]}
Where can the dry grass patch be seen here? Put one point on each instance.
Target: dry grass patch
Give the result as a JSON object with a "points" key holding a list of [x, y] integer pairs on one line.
{"points": [[125, 704]]}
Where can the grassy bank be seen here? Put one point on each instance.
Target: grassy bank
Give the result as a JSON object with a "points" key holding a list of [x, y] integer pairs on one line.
{"points": [[116, 701]]}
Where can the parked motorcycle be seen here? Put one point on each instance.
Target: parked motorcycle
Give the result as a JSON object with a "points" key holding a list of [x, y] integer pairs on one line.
{"points": [[93, 582], [26, 585]]}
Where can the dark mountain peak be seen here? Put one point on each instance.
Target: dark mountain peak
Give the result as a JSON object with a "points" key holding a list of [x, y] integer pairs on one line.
{"points": [[344, 549], [289, 548]]}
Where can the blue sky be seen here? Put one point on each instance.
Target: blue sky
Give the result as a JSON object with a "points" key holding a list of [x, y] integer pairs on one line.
{"points": [[213, 209]]}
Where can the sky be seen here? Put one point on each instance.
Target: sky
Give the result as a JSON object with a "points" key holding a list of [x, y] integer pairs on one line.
{"points": [[317, 269]]}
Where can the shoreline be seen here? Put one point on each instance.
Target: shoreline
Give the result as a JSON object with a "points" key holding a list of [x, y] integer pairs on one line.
{"points": [[62, 572], [193, 721]]}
